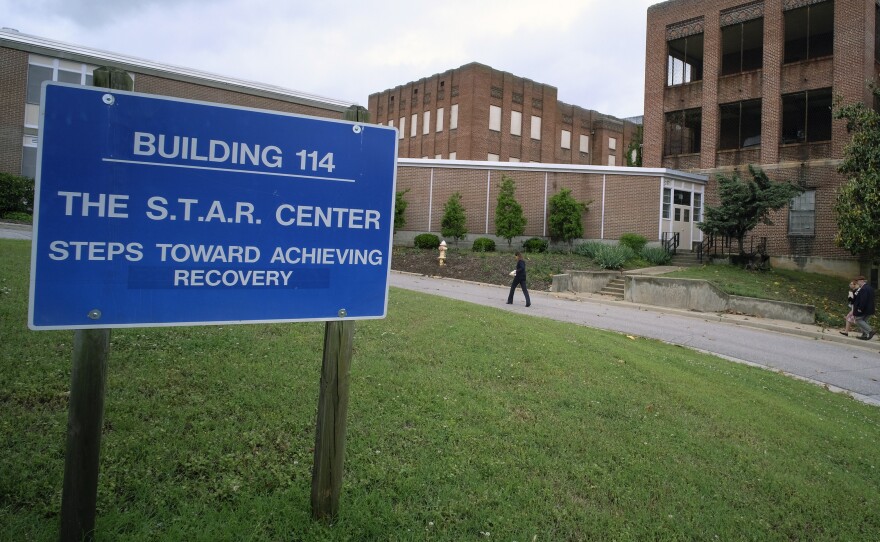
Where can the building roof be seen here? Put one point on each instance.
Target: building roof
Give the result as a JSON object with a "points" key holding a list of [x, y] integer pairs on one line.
{"points": [[34, 44]]}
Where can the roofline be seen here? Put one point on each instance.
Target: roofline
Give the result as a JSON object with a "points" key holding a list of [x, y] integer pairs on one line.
{"points": [[665, 173], [67, 51]]}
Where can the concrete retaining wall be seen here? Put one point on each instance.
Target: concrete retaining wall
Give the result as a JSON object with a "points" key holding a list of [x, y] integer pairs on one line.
{"points": [[583, 281]]}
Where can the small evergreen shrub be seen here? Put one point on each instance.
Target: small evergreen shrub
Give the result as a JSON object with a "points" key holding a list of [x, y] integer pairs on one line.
{"points": [[613, 256], [483, 244], [16, 194], [655, 255], [589, 248], [427, 240], [634, 241], [19, 217], [535, 244]]}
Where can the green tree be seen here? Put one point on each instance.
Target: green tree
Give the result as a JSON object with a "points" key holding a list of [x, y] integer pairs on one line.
{"points": [[858, 200], [634, 149], [509, 219], [454, 219], [399, 210], [16, 194], [565, 217], [745, 203]]}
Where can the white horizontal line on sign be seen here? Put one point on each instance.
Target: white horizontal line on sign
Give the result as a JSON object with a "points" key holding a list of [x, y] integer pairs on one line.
{"points": [[230, 170]]}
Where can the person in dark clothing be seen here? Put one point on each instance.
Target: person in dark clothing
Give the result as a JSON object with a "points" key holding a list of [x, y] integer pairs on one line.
{"points": [[519, 278], [863, 308]]}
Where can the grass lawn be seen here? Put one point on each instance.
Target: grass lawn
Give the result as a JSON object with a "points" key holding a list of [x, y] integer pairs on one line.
{"points": [[825, 292], [465, 423]]}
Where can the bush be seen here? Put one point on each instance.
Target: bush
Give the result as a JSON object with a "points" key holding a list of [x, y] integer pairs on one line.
{"points": [[589, 249], [634, 241], [16, 194], [613, 256], [655, 255], [535, 244], [427, 240], [483, 244], [19, 217]]}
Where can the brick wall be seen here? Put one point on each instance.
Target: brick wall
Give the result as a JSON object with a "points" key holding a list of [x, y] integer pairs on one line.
{"points": [[13, 66]]}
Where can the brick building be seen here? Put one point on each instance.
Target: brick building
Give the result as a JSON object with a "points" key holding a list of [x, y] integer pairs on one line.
{"points": [[478, 113], [26, 61], [730, 83]]}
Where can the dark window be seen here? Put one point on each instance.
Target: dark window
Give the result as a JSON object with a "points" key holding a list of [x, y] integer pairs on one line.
{"points": [[809, 32], [29, 162], [683, 131], [740, 125], [742, 47], [806, 116], [681, 198], [877, 33], [684, 62], [36, 76]]}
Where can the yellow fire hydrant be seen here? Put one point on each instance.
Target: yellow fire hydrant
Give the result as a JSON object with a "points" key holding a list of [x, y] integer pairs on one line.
{"points": [[442, 256]]}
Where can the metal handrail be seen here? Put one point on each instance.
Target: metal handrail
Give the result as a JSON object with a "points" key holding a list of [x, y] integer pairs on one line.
{"points": [[670, 242]]}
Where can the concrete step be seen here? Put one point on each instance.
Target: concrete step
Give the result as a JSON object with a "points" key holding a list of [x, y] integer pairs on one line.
{"points": [[614, 288]]}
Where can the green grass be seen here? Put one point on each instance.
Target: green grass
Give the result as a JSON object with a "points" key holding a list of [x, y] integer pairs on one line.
{"points": [[465, 423], [825, 292]]}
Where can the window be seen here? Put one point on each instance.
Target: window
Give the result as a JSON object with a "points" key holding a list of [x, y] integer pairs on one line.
{"points": [[426, 123], [452, 155], [391, 123], [512, 159], [494, 118], [802, 214], [585, 143], [809, 32], [806, 116], [492, 157], [612, 143], [438, 156], [667, 201], [516, 123], [29, 157], [684, 62], [698, 207], [402, 127], [36, 76], [453, 117], [742, 47], [439, 119], [566, 139], [536, 127], [740, 125], [683, 131], [612, 160], [414, 127], [876, 33]]}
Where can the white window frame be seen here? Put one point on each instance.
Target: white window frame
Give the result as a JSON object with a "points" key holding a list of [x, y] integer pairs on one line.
{"points": [[536, 128], [440, 119], [453, 117], [801, 206], [612, 143], [585, 144], [494, 118], [414, 127], [453, 155], [516, 123], [402, 128], [426, 123], [565, 139], [612, 160]]}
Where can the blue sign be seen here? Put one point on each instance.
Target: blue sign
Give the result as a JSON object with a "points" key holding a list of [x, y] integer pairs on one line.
{"points": [[153, 211]]}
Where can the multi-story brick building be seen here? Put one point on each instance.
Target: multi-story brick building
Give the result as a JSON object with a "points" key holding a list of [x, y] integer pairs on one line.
{"points": [[478, 113], [26, 61], [730, 83]]}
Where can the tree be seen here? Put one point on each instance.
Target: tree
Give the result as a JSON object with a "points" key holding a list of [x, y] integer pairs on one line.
{"points": [[509, 219], [565, 215], [858, 200], [634, 150], [453, 223], [399, 210], [745, 204]]}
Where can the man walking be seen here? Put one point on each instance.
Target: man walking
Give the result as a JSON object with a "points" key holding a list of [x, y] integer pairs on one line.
{"points": [[519, 279], [863, 308]]}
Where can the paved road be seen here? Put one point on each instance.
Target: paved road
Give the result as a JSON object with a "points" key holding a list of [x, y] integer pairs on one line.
{"points": [[804, 351], [807, 352]]}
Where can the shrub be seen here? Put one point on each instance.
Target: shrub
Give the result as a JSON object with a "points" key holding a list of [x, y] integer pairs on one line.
{"points": [[16, 194], [535, 244], [483, 244], [655, 255], [19, 217], [613, 256], [589, 248], [633, 241], [427, 240]]}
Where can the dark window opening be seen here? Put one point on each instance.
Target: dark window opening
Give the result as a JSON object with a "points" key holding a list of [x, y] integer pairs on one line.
{"points": [[876, 33], [806, 116], [802, 214], [742, 47], [809, 32], [681, 198], [740, 125], [683, 131], [684, 62], [36, 76]]}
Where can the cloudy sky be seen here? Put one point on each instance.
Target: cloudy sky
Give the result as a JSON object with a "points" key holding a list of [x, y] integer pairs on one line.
{"points": [[593, 51]]}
